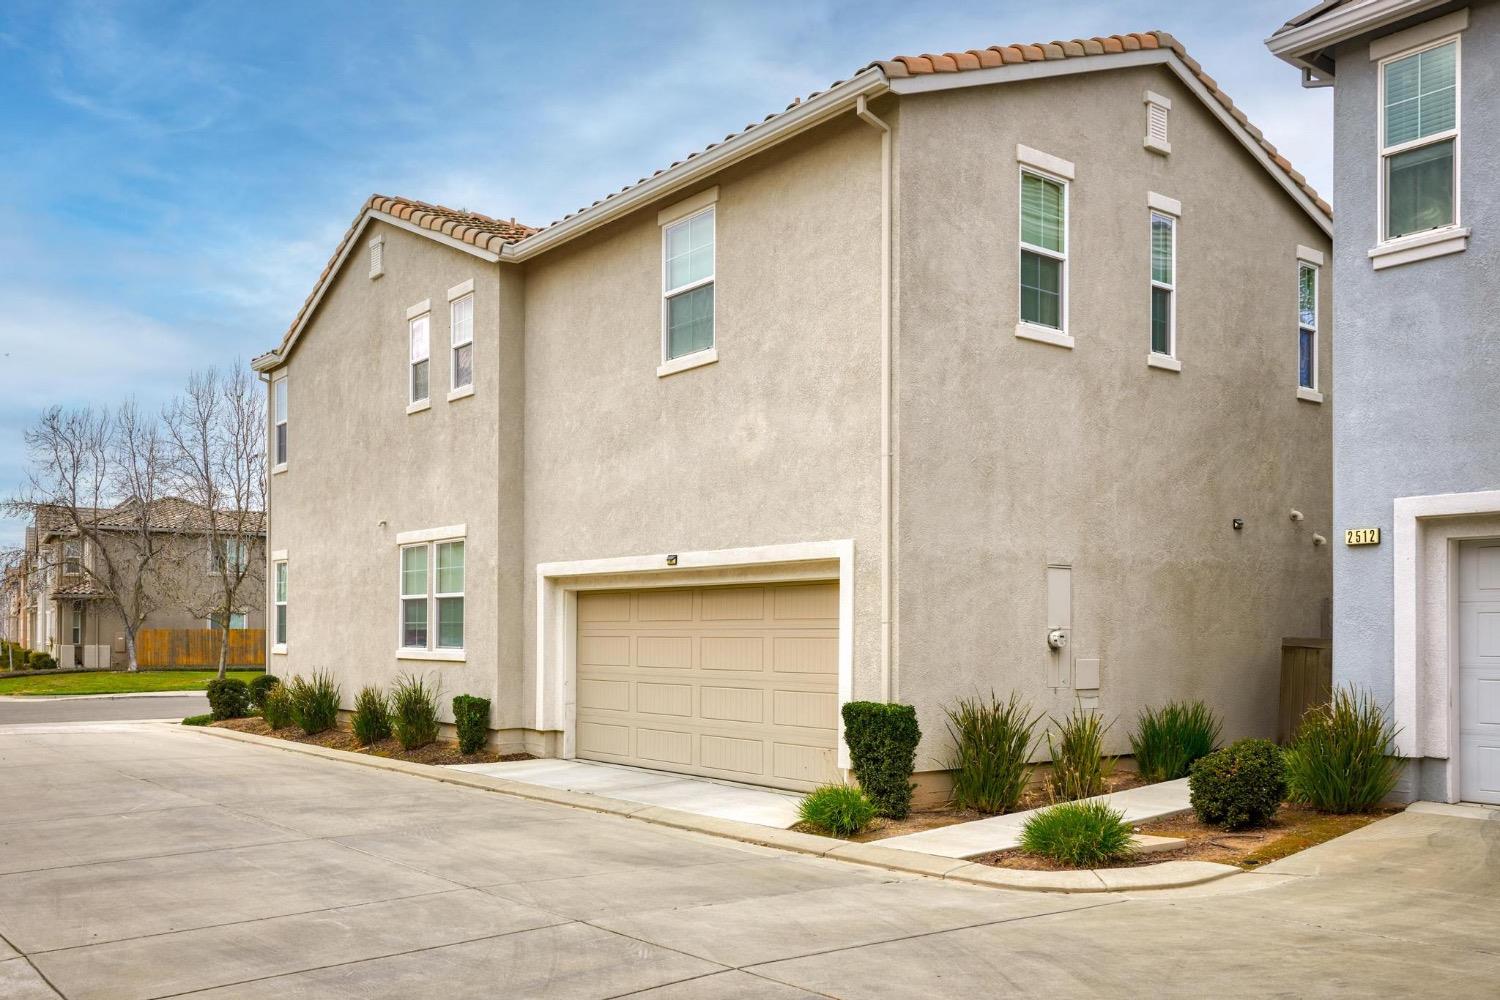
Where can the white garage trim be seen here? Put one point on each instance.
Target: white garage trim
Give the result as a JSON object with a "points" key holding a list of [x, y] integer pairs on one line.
{"points": [[558, 583], [1424, 648]]}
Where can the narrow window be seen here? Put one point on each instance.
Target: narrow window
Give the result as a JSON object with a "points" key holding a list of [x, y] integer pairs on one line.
{"points": [[414, 597], [449, 593], [417, 331], [1044, 259], [688, 284], [461, 315], [77, 627], [280, 603], [1163, 284], [279, 409], [72, 561], [1307, 326], [1419, 140]]}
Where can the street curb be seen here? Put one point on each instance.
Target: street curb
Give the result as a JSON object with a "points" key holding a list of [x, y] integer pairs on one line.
{"points": [[1168, 875]]}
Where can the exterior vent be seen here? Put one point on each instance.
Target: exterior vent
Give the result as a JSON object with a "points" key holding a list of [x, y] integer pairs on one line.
{"points": [[1157, 107], [377, 257]]}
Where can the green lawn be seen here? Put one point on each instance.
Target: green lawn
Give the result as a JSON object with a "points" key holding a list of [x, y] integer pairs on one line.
{"points": [[40, 682]]}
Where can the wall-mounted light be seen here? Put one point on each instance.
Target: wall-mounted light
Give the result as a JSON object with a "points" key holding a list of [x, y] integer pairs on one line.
{"points": [[671, 560], [1238, 523]]}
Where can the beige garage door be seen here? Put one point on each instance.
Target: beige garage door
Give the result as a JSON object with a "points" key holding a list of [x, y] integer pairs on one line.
{"points": [[731, 682]]}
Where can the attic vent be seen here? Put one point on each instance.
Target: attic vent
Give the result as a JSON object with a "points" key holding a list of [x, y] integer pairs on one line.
{"points": [[1157, 107], [377, 257]]}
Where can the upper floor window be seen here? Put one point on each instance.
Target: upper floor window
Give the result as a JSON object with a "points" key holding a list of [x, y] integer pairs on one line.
{"points": [[236, 621], [72, 557], [1163, 284], [1307, 326], [417, 334], [1419, 140], [688, 284], [1044, 256], [232, 554], [278, 406], [461, 317]]}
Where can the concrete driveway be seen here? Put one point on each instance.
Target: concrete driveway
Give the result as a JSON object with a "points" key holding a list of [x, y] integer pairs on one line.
{"points": [[144, 860]]}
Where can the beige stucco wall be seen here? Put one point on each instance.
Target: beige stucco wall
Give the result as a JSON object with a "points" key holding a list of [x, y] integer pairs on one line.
{"points": [[1015, 454], [777, 442], [361, 470]]}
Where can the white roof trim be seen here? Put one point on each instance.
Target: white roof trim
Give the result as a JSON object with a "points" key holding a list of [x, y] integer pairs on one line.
{"points": [[1294, 45]]}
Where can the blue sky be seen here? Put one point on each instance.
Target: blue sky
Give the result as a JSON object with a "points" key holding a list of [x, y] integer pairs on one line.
{"points": [[176, 174]]}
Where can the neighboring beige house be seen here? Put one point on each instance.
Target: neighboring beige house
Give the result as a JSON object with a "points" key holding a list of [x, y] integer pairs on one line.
{"points": [[972, 372], [57, 598]]}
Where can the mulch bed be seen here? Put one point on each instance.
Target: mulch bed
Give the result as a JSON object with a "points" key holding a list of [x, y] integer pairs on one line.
{"points": [[1294, 829], [340, 738]]}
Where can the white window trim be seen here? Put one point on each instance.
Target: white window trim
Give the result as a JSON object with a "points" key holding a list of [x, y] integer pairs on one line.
{"points": [[452, 532], [421, 404], [1165, 103], [457, 391], [1170, 286], [417, 405], [462, 392], [1310, 393], [1452, 238], [677, 215], [1045, 163], [1166, 362], [1059, 337], [461, 289], [428, 540], [279, 467], [278, 559]]}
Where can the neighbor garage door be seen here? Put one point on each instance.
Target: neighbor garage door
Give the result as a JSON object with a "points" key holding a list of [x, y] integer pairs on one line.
{"points": [[731, 682]]}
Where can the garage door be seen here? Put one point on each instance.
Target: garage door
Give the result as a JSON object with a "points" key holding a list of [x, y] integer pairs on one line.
{"points": [[1479, 671], [730, 682]]}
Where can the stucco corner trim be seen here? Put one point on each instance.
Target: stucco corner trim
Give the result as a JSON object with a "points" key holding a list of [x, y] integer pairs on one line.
{"points": [[461, 289], [425, 306], [1045, 162], [432, 534], [1309, 395], [461, 393], [1309, 255], [442, 655], [1162, 203], [687, 206], [1044, 335], [1423, 246], [1163, 361], [419, 406], [688, 361]]}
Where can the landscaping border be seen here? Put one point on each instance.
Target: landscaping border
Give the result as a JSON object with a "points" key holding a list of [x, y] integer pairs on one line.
{"points": [[1168, 875]]}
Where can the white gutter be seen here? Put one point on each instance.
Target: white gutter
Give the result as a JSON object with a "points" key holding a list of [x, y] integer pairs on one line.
{"points": [[1296, 45], [887, 499], [811, 112]]}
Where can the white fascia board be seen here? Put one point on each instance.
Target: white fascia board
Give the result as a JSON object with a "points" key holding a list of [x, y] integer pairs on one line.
{"points": [[1294, 45], [798, 119], [432, 234]]}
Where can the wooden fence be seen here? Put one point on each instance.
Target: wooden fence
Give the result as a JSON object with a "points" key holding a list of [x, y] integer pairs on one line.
{"points": [[170, 648], [1306, 681]]}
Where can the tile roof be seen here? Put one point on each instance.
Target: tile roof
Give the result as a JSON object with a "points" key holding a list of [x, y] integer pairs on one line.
{"points": [[1079, 48], [167, 514], [81, 589]]}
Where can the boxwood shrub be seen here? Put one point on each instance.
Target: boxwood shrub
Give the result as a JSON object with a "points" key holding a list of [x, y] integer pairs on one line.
{"points": [[1239, 786], [228, 698], [471, 716], [258, 688], [882, 741]]}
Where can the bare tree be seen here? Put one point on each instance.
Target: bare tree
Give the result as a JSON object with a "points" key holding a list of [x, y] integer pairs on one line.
{"points": [[96, 475], [216, 428]]}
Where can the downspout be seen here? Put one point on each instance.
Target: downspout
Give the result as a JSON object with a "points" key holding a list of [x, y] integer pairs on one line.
{"points": [[887, 518]]}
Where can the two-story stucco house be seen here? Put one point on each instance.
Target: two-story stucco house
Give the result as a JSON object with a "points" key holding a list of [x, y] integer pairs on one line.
{"points": [[973, 372], [1416, 453]]}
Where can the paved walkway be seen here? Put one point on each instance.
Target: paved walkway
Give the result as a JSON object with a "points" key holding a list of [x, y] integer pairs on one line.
{"points": [[1001, 833], [101, 708], [145, 860], [705, 796]]}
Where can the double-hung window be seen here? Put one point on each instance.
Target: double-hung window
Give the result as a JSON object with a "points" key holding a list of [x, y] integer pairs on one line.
{"points": [[1163, 284], [1419, 140], [432, 590], [1307, 326], [461, 323], [279, 601], [72, 557], [688, 285], [76, 631], [278, 405], [417, 329], [1044, 251]]}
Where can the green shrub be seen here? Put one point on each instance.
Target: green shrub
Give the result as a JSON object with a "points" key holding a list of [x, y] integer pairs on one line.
{"points": [[315, 702], [372, 716], [837, 809], [198, 720], [228, 698], [882, 742], [1166, 741], [258, 688], [276, 707], [1081, 834], [42, 661], [1079, 767], [471, 716], [414, 712], [1239, 786], [992, 747], [1343, 758]]}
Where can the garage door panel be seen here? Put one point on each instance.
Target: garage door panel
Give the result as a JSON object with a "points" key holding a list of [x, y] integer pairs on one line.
{"points": [[744, 686], [605, 606]]}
